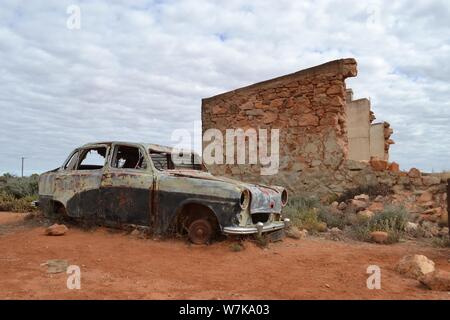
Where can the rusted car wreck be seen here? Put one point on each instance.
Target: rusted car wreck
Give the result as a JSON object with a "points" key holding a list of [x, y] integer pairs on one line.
{"points": [[121, 183]]}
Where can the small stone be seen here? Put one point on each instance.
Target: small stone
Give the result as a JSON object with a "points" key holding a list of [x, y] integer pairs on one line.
{"points": [[379, 199], [293, 233], [378, 165], [335, 204], [425, 196], [394, 167], [359, 204], [379, 236], [363, 197], [56, 230], [411, 227], [303, 233], [438, 280], [414, 173], [342, 206], [415, 266]]}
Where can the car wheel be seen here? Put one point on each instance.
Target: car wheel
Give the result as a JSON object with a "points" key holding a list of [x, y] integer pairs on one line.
{"points": [[200, 231]]}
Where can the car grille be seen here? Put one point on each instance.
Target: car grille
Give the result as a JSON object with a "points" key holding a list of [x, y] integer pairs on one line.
{"points": [[260, 217]]}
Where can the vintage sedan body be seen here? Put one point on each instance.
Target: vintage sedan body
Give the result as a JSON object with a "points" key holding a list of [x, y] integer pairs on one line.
{"points": [[121, 183]]}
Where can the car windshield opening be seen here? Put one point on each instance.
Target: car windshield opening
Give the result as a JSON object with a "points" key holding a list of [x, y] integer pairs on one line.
{"points": [[92, 159]]}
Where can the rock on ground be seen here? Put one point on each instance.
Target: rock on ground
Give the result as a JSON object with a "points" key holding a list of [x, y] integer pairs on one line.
{"points": [[379, 236], [438, 280], [56, 230], [294, 233], [411, 227], [415, 266], [359, 204]]}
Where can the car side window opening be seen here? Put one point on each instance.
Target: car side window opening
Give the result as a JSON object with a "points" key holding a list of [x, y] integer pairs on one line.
{"points": [[92, 159], [126, 157], [163, 161]]}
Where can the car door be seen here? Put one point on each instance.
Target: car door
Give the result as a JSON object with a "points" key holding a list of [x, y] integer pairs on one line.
{"points": [[126, 186], [85, 180]]}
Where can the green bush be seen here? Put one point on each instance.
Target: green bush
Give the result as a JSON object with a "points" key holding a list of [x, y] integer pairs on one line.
{"points": [[333, 219], [19, 187], [304, 214], [11, 203], [16, 193], [391, 220]]}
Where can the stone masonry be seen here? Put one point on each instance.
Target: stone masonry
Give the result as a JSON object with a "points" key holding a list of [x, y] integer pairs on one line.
{"points": [[309, 108]]}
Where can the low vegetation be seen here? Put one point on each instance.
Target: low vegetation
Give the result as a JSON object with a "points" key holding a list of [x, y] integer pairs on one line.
{"points": [[304, 214], [17, 194], [372, 191], [441, 242], [310, 214], [391, 220]]}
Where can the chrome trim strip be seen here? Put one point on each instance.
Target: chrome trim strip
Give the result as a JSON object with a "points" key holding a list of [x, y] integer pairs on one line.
{"points": [[252, 230]]}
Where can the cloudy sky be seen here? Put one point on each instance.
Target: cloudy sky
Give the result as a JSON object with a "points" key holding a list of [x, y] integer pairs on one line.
{"points": [[137, 70]]}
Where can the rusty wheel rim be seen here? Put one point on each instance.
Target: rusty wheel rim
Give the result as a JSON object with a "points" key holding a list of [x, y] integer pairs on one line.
{"points": [[200, 231]]}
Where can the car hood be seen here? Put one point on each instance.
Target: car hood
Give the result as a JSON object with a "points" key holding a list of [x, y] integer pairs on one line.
{"points": [[264, 198]]}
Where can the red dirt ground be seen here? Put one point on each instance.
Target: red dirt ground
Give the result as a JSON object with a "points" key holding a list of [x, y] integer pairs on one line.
{"points": [[119, 266]]}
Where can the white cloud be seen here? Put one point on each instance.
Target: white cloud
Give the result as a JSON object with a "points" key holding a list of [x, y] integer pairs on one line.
{"points": [[137, 71]]}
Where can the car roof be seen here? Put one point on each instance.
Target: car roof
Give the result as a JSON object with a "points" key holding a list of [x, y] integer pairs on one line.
{"points": [[150, 146]]}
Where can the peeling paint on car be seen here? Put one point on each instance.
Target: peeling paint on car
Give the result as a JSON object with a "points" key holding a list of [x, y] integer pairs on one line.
{"points": [[153, 198]]}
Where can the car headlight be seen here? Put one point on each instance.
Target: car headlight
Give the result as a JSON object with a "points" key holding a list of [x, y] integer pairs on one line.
{"points": [[284, 198], [244, 202]]}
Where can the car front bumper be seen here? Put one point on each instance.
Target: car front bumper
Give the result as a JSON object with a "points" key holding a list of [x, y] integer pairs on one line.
{"points": [[259, 228]]}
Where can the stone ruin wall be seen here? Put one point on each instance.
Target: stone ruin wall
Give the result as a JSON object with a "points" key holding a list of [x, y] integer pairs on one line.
{"points": [[319, 132], [328, 143], [366, 140], [309, 109]]}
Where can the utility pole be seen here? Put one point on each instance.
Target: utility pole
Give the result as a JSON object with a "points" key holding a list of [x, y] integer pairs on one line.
{"points": [[23, 160]]}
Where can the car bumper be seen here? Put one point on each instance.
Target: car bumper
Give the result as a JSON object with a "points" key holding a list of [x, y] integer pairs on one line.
{"points": [[259, 228]]}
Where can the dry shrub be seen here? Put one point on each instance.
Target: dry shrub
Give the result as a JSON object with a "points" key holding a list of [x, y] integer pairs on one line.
{"points": [[391, 220], [372, 191]]}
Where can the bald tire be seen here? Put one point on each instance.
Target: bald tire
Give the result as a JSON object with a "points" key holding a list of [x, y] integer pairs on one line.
{"points": [[200, 231]]}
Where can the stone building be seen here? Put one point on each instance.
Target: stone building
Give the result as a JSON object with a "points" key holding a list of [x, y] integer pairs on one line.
{"points": [[366, 140], [322, 129]]}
